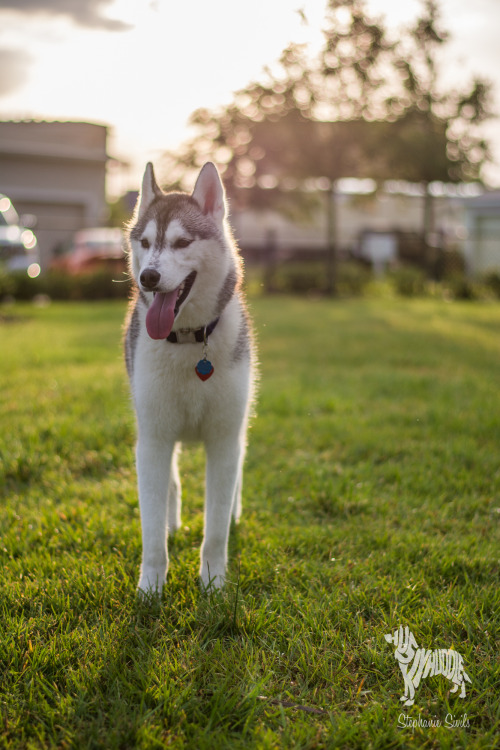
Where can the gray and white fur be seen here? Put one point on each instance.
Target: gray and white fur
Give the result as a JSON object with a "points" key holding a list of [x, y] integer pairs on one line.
{"points": [[187, 273]]}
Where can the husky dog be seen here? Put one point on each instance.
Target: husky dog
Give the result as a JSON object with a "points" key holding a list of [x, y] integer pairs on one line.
{"points": [[189, 357]]}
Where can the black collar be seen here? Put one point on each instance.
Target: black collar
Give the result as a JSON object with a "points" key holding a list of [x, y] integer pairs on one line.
{"points": [[191, 335]]}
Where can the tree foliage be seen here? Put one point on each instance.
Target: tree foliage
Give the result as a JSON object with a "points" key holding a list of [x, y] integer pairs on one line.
{"points": [[366, 105], [436, 136]]}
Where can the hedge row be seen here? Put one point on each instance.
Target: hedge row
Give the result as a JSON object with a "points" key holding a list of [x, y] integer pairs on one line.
{"points": [[354, 279], [409, 281], [296, 277], [61, 286], [290, 278]]}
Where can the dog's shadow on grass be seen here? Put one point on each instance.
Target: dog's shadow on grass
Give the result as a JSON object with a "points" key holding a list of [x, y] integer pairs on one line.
{"points": [[217, 612], [142, 641]]}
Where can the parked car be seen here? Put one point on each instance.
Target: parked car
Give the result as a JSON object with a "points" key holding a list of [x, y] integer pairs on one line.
{"points": [[18, 244], [92, 250]]}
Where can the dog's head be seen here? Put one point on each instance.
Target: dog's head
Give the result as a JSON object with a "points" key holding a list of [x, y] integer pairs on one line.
{"points": [[180, 254]]}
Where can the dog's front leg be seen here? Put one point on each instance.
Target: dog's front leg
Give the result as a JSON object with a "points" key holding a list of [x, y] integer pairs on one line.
{"points": [[223, 465], [154, 460]]}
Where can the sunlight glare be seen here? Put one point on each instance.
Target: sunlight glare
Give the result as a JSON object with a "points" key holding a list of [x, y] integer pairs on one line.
{"points": [[33, 270], [28, 239]]}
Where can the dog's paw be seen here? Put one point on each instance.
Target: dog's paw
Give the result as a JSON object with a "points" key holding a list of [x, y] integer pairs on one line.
{"points": [[173, 526], [212, 578], [151, 582]]}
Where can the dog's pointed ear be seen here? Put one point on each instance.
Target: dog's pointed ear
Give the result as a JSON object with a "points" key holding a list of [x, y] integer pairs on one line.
{"points": [[149, 189], [209, 192]]}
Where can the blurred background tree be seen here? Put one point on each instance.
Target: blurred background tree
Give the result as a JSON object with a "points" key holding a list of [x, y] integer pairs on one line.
{"points": [[436, 137], [366, 105]]}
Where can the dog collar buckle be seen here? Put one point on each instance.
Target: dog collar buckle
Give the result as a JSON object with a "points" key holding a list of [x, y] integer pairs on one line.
{"points": [[192, 335], [185, 336]]}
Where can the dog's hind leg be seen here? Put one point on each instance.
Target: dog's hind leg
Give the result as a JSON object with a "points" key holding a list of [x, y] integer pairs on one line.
{"points": [[236, 508], [154, 460], [174, 494]]}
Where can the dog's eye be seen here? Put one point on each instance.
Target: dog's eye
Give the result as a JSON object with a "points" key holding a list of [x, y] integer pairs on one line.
{"points": [[182, 242], [145, 243]]}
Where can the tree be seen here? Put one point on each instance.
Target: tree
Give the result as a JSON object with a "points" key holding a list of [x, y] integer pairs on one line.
{"points": [[284, 127], [304, 126], [366, 105], [436, 137]]}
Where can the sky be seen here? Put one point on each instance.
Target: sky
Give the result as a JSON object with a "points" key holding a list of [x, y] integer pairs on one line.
{"points": [[143, 66]]}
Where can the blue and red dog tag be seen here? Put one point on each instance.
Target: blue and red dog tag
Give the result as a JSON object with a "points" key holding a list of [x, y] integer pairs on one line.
{"points": [[204, 369]]}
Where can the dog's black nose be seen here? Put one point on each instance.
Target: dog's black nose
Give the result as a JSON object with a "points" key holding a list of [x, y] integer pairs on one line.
{"points": [[149, 278]]}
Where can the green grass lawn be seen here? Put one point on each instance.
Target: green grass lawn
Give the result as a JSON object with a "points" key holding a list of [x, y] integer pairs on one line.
{"points": [[372, 500]]}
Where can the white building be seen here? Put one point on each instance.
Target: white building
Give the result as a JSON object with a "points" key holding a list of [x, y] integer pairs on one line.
{"points": [[55, 171], [482, 248], [365, 222]]}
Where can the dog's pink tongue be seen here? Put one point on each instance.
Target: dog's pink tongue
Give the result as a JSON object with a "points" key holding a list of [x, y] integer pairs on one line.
{"points": [[160, 316]]}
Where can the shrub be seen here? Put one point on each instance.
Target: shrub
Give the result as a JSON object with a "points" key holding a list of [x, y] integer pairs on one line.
{"points": [[310, 277], [299, 278], [491, 281], [352, 278], [409, 281], [103, 285], [463, 288]]}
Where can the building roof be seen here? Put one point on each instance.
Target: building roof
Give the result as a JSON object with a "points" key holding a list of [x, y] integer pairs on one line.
{"points": [[74, 141]]}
